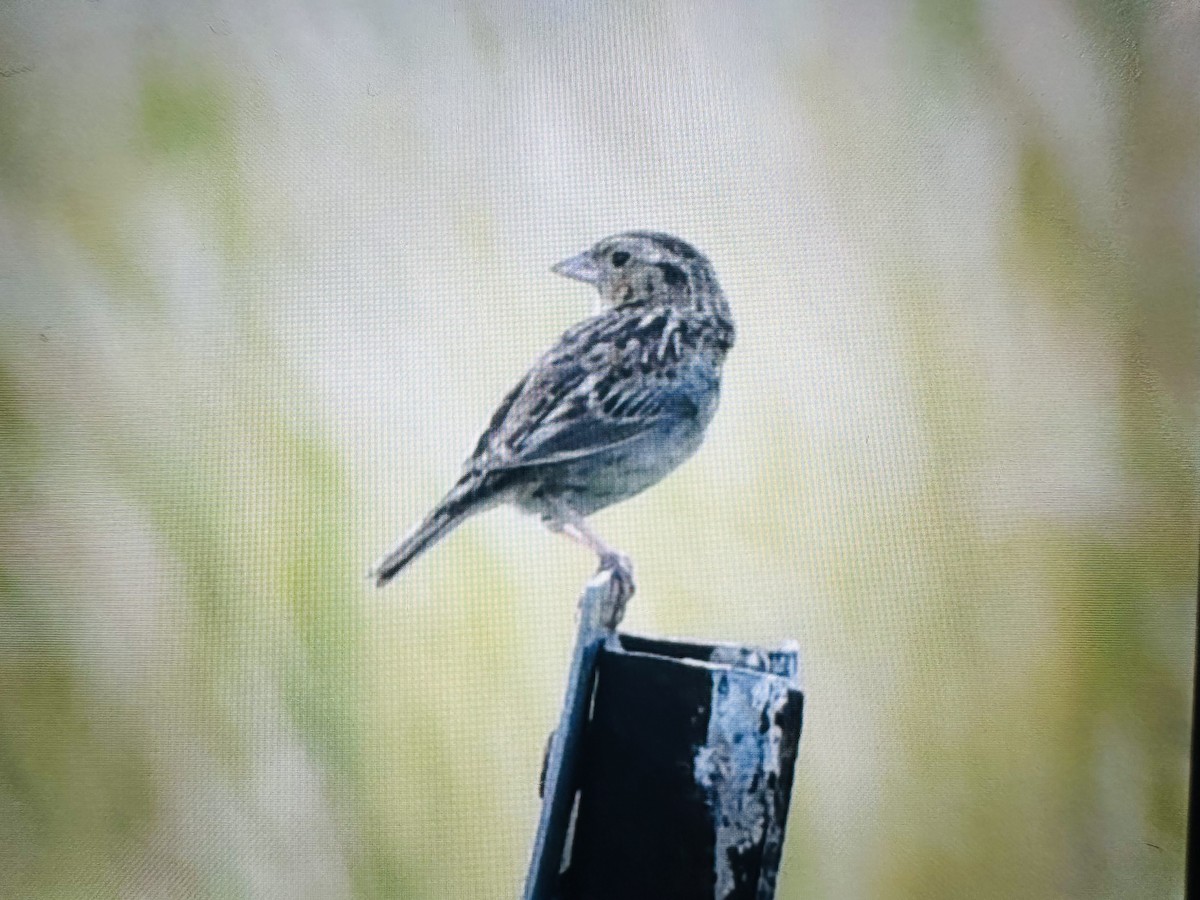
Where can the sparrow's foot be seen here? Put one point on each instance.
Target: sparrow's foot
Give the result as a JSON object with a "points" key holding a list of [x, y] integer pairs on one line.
{"points": [[620, 567]]}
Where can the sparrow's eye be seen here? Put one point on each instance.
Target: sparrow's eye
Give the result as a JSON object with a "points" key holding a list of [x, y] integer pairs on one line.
{"points": [[619, 259]]}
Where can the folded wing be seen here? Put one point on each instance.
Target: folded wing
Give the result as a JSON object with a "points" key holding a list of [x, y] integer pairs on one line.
{"points": [[608, 381]]}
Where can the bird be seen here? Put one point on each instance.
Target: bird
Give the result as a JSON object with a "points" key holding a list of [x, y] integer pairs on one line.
{"points": [[620, 401]]}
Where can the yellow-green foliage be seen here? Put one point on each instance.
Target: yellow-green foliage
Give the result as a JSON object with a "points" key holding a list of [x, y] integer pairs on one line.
{"points": [[263, 278]]}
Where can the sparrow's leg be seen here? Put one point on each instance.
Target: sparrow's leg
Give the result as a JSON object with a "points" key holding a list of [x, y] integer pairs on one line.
{"points": [[568, 522]]}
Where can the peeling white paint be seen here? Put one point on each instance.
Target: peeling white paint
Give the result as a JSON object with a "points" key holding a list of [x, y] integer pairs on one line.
{"points": [[735, 766]]}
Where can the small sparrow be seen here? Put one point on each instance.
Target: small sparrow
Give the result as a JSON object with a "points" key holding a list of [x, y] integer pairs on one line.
{"points": [[620, 401]]}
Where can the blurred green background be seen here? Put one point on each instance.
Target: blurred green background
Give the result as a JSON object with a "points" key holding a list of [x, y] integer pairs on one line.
{"points": [[265, 270]]}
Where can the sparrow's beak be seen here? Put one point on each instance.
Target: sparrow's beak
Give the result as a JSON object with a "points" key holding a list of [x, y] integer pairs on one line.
{"points": [[581, 268]]}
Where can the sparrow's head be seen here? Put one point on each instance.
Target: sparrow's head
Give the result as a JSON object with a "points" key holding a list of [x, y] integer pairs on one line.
{"points": [[643, 267]]}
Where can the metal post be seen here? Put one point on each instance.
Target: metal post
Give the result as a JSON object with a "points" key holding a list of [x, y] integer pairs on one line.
{"points": [[599, 613], [682, 756]]}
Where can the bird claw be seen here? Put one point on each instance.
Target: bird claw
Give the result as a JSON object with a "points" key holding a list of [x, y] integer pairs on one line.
{"points": [[620, 568]]}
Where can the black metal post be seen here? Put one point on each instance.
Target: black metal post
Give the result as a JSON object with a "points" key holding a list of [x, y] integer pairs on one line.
{"points": [[599, 613], [683, 771]]}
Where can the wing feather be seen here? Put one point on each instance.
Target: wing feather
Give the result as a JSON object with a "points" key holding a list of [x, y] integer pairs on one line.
{"points": [[608, 381]]}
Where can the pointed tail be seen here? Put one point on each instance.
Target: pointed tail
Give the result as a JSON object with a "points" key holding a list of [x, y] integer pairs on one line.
{"points": [[472, 494]]}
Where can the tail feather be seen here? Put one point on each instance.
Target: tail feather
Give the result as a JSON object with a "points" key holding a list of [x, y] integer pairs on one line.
{"points": [[468, 497]]}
